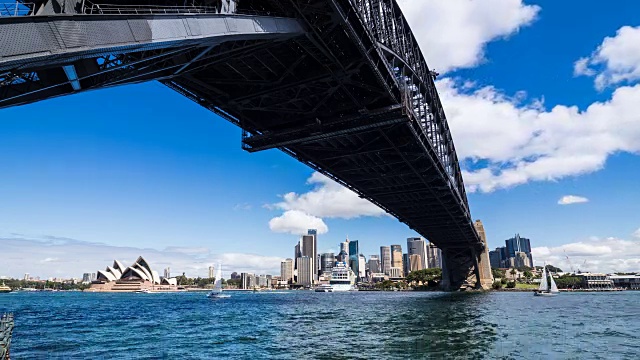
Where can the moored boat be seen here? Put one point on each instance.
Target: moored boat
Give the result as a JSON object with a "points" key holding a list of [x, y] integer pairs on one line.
{"points": [[547, 288], [4, 288]]}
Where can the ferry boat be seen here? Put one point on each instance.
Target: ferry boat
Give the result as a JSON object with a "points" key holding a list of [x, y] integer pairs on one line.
{"points": [[324, 288], [342, 278], [4, 288]]}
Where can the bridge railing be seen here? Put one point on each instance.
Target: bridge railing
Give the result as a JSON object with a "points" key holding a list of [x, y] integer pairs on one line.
{"points": [[16, 9], [118, 9], [6, 330]]}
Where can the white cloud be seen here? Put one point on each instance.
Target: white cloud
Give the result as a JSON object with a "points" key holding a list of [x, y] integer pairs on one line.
{"points": [[509, 143], [616, 60], [297, 222], [59, 257], [595, 255], [328, 199], [453, 33], [572, 199], [636, 234]]}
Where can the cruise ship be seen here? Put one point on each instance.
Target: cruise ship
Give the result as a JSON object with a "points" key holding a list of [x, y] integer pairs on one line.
{"points": [[342, 278]]}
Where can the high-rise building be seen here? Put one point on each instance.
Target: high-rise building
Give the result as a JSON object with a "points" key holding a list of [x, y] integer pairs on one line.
{"points": [[418, 246], [374, 264], [326, 262], [26, 277], [434, 256], [362, 262], [234, 275], [385, 259], [247, 281], [309, 249], [495, 258], [211, 272], [305, 271], [86, 278], [344, 246], [522, 259], [286, 271], [396, 257], [262, 281], [316, 256], [297, 252], [406, 264], [167, 273], [519, 244], [354, 252], [415, 263]]}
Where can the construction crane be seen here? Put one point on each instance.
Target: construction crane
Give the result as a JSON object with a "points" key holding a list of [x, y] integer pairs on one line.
{"points": [[569, 261]]}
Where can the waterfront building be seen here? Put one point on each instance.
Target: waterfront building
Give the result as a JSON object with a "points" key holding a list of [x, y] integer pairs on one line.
{"points": [[247, 281], [415, 263], [396, 256], [309, 249], [395, 273], [234, 275], [631, 282], [86, 278], [434, 256], [374, 264], [385, 259], [518, 244], [418, 246], [211, 272], [167, 273], [93, 277], [362, 261], [595, 281], [262, 281], [326, 262], [305, 271], [286, 271], [378, 277], [354, 252], [138, 276]]}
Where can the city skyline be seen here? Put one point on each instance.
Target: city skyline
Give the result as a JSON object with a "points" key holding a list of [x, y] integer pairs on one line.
{"points": [[84, 183]]}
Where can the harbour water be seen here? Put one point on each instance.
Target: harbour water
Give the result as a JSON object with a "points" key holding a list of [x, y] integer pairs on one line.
{"points": [[305, 324]]}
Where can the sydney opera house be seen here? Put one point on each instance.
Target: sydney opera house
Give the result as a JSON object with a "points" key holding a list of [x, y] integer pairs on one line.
{"points": [[136, 277]]}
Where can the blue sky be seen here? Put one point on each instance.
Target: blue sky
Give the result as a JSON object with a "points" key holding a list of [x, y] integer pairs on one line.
{"points": [[140, 169]]}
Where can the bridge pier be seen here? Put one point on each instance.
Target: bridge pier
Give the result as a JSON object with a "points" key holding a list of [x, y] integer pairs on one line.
{"points": [[484, 274]]}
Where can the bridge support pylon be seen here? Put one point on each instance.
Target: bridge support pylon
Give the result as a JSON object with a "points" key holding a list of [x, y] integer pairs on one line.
{"points": [[485, 276]]}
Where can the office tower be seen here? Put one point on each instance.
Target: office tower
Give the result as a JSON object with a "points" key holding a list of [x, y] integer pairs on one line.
{"points": [[418, 245], [434, 256], [93, 276], [309, 249], [374, 264], [519, 244], [495, 258], [406, 264], [522, 260], [415, 262], [262, 281], [396, 256], [385, 259], [305, 271], [354, 252], [26, 277], [269, 281], [286, 271], [326, 262], [167, 273], [86, 277], [234, 275], [297, 252], [316, 256], [344, 246], [211, 272], [362, 261], [247, 281]]}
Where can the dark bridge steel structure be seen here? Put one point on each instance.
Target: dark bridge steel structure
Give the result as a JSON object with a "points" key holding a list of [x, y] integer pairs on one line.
{"points": [[341, 85]]}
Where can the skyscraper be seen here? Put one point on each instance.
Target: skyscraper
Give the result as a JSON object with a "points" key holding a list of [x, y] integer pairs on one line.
{"points": [[415, 263], [326, 262], [286, 271], [385, 259], [211, 272], [354, 252], [305, 271], [434, 256], [167, 273], [297, 252], [495, 258], [396, 257], [406, 264], [309, 249], [519, 244], [418, 246], [374, 264], [362, 262], [316, 256]]}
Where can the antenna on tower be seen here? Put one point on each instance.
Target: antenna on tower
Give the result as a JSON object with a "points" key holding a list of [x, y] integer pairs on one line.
{"points": [[569, 261]]}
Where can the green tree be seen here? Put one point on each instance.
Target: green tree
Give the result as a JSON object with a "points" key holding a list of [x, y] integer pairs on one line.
{"points": [[497, 273], [497, 285], [511, 284]]}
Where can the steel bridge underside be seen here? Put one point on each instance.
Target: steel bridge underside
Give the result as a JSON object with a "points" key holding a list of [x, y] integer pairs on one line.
{"points": [[316, 84]]}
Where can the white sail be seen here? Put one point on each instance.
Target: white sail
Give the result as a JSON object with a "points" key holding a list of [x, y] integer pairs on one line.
{"points": [[554, 288], [217, 285], [543, 280]]}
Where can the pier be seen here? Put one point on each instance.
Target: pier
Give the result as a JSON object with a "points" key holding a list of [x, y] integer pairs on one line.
{"points": [[6, 329]]}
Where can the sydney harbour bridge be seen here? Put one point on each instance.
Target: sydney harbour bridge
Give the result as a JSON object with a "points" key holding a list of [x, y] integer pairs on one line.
{"points": [[340, 85]]}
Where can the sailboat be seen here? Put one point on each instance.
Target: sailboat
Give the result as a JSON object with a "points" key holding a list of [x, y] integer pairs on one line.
{"points": [[216, 292], [547, 288]]}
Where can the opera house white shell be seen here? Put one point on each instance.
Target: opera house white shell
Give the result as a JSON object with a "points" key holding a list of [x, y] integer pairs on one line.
{"points": [[140, 271]]}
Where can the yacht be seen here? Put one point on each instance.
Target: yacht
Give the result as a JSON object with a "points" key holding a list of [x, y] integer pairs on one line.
{"points": [[547, 288], [143, 291], [342, 278], [216, 292], [4, 288]]}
